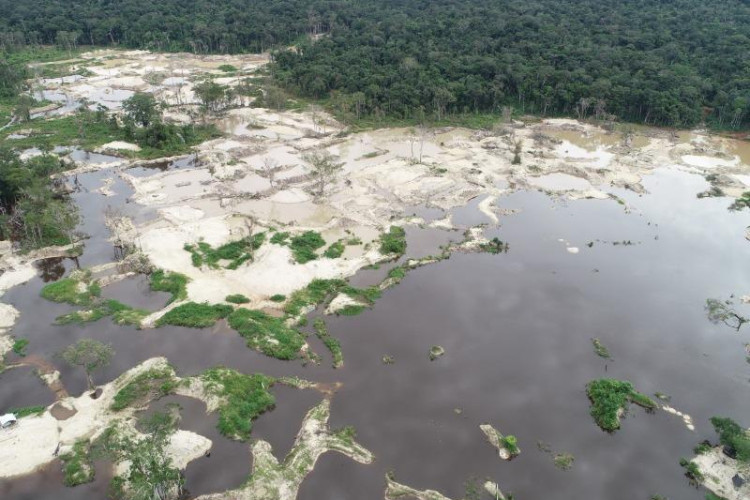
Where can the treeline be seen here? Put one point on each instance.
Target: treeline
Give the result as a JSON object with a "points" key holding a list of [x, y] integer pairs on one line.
{"points": [[200, 26], [670, 62]]}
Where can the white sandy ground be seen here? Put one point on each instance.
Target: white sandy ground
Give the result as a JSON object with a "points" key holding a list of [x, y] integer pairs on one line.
{"points": [[718, 471], [486, 206], [686, 419], [31, 443], [118, 146], [8, 317]]}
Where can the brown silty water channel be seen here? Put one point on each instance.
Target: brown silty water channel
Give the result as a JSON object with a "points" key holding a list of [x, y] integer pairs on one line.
{"points": [[517, 330]]}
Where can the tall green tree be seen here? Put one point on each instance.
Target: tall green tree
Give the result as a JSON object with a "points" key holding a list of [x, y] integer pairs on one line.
{"points": [[141, 108], [90, 355]]}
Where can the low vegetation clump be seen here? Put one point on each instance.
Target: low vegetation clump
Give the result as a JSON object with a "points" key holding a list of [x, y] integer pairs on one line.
{"points": [[397, 273], [277, 298], [709, 496], [741, 203], [121, 314], [172, 283], [351, 310], [27, 411], [507, 446], [305, 245], [436, 351], [368, 295], [152, 384], [333, 345], [195, 315], [74, 290], [280, 238], [702, 448], [319, 291], [563, 461], [77, 465], [510, 443], [393, 242], [267, 334], [643, 401], [19, 346], [334, 251], [313, 294], [600, 349], [161, 422], [692, 471], [227, 68], [494, 246], [733, 437], [245, 398], [610, 397], [237, 298], [232, 254]]}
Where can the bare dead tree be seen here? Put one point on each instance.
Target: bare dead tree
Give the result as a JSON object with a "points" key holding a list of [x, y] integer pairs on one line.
{"points": [[582, 107], [507, 114], [269, 168]]}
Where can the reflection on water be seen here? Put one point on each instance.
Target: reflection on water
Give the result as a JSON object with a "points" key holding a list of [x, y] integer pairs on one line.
{"points": [[51, 269]]}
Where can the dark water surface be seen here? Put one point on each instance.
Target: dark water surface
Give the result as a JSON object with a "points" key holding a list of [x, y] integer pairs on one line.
{"points": [[517, 332]]}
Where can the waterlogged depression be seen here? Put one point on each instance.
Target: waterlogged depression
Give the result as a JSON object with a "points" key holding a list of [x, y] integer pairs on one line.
{"points": [[599, 235]]}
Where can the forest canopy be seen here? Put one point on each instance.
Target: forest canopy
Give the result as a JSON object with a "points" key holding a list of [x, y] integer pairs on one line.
{"points": [[672, 62]]}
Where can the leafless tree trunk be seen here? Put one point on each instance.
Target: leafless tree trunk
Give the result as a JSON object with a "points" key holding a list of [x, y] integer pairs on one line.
{"points": [[269, 167]]}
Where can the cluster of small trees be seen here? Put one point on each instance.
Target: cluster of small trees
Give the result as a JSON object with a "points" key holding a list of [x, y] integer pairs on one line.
{"points": [[151, 474], [214, 97], [33, 211], [143, 124]]}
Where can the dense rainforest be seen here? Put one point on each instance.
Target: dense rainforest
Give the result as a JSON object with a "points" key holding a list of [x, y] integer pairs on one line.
{"points": [[666, 62]]}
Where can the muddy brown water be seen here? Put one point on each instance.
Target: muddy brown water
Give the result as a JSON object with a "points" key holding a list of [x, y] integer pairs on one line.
{"points": [[517, 330], [21, 387]]}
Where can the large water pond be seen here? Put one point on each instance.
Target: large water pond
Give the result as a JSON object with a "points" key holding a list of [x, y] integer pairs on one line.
{"points": [[517, 330]]}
